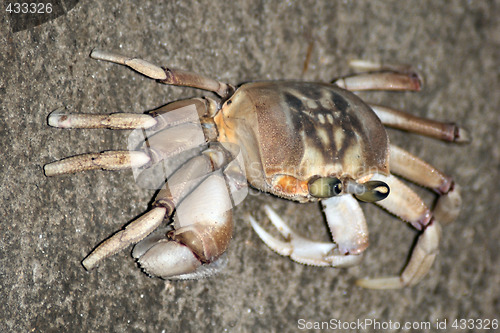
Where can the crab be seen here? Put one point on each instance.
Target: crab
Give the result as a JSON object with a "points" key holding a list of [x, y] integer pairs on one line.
{"points": [[302, 141]]}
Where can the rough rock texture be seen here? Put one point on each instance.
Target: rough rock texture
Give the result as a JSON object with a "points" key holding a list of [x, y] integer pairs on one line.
{"points": [[50, 224]]}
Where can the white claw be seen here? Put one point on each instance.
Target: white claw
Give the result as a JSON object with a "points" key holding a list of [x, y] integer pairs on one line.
{"points": [[279, 223], [347, 223], [202, 231], [280, 247], [168, 259], [300, 249]]}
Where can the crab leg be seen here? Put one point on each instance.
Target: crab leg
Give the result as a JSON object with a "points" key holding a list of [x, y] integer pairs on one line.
{"points": [[174, 128], [387, 80], [418, 266], [134, 232], [380, 77], [431, 128], [160, 145], [370, 66], [416, 170], [171, 76], [308, 252], [108, 160], [404, 203], [111, 121], [193, 110]]}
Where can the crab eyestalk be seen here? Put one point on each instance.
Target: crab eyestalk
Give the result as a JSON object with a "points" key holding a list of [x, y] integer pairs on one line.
{"points": [[325, 187], [368, 192]]}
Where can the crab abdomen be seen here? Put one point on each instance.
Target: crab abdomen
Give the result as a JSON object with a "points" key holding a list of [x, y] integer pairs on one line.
{"points": [[301, 130]]}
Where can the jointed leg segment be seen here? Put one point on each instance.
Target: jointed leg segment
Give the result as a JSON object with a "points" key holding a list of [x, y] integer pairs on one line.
{"points": [[380, 77], [418, 266], [418, 171], [428, 127], [171, 76], [108, 160], [343, 214], [133, 233], [110, 121], [404, 203]]}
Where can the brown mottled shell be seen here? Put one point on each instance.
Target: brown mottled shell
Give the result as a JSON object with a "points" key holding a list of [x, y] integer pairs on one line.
{"points": [[302, 130]]}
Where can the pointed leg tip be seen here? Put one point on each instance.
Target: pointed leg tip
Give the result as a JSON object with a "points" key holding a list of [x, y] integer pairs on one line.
{"points": [[271, 213], [98, 54], [279, 224], [94, 53], [89, 263], [50, 169], [146, 68], [104, 55], [251, 220], [142, 66], [257, 228], [462, 136], [58, 119], [283, 248]]}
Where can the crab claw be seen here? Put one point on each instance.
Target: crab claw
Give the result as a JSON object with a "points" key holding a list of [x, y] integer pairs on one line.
{"points": [[161, 257], [202, 231], [300, 249]]}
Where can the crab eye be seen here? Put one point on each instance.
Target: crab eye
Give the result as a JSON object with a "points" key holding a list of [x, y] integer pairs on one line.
{"points": [[325, 187], [373, 191]]}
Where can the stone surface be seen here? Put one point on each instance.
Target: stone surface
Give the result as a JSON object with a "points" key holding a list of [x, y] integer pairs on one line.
{"points": [[50, 224]]}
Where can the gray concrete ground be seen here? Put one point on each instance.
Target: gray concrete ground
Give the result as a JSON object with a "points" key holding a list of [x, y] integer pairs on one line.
{"points": [[49, 225]]}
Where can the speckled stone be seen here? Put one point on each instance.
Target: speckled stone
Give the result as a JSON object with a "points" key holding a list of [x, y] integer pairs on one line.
{"points": [[50, 224]]}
